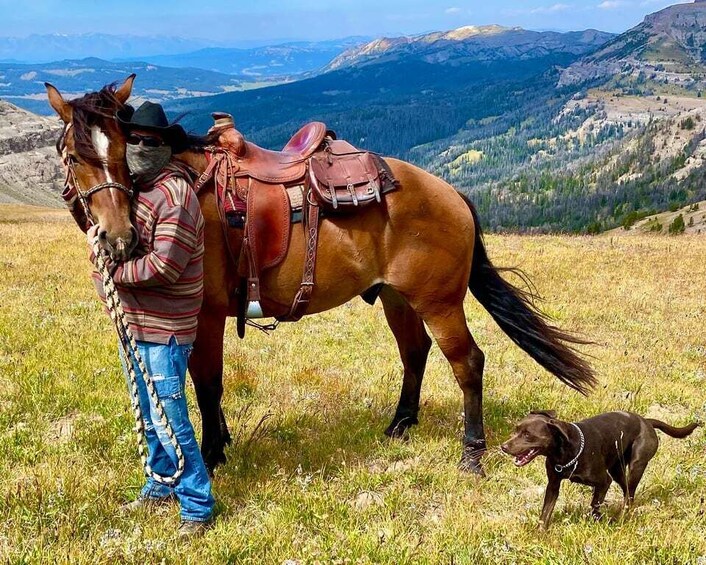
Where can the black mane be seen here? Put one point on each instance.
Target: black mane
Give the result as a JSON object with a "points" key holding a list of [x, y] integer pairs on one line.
{"points": [[90, 110]]}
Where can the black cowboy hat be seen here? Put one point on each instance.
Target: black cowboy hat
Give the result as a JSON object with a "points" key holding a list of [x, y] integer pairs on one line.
{"points": [[151, 117]]}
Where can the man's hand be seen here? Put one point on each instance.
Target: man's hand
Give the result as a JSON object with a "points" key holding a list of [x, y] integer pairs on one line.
{"points": [[92, 235]]}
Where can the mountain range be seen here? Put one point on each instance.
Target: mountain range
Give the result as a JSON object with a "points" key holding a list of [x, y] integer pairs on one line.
{"points": [[45, 48], [399, 94], [471, 44], [203, 72], [263, 63], [23, 84], [582, 132]]}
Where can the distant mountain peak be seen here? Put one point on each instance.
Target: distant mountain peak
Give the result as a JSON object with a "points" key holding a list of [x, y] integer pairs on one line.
{"points": [[464, 32], [470, 43]]}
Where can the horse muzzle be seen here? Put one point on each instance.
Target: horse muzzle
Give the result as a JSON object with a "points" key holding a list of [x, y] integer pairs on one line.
{"points": [[119, 248]]}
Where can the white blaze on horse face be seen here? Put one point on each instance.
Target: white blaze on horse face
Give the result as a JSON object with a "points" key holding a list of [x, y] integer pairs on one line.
{"points": [[101, 143]]}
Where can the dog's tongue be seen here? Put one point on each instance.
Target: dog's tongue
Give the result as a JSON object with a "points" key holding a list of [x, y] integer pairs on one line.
{"points": [[522, 460]]}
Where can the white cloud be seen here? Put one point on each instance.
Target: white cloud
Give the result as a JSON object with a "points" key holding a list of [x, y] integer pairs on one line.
{"points": [[550, 9], [611, 4], [452, 11], [553, 9]]}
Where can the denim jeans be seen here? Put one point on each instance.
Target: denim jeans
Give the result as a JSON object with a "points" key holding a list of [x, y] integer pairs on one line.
{"points": [[166, 365]]}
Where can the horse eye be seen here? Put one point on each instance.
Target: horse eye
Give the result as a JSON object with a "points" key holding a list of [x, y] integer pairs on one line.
{"points": [[73, 159]]}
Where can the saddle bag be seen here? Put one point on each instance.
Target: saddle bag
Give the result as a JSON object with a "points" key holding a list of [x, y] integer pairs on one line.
{"points": [[342, 177]]}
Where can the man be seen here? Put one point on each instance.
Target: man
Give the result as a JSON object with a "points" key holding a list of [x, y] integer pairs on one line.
{"points": [[161, 289]]}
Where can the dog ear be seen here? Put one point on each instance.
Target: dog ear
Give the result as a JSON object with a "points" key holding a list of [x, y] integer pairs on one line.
{"points": [[547, 413], [557, 429]]}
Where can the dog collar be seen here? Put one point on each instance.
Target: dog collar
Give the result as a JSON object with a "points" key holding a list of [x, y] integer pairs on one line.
{"points": [[575, 460]]}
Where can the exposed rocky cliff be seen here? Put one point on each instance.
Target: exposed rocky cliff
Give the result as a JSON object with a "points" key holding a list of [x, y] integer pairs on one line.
{"points": [[669, 46], [29, 168]]}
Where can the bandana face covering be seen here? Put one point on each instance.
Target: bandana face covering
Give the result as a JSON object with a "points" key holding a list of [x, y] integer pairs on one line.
{"points": [[146, 162]]}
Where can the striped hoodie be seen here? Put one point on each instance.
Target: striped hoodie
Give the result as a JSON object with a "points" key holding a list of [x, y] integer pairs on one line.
{"points": [[161, 287]]}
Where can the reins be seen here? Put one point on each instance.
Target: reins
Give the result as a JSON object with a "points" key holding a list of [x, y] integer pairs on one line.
{"points": [[128, 344]]}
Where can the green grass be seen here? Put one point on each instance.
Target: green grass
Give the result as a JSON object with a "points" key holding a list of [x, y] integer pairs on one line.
{"points": [[317, 481]]}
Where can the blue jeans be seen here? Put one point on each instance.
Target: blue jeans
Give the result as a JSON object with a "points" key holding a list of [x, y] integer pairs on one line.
{"points": [[166, 365]]}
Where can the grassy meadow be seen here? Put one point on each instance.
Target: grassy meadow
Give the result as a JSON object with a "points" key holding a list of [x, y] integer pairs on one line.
{"points": [[310, 477]]}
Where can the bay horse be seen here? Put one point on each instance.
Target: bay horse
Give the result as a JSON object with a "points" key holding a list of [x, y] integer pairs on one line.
{"points": [[420, 252]]}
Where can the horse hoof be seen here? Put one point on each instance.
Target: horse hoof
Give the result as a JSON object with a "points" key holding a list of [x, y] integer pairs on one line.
{"points": [[472, 466], [399, 429], [212, 461]]}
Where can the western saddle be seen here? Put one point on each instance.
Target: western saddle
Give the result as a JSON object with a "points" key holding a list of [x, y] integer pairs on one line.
{"points": [[261, 192]]}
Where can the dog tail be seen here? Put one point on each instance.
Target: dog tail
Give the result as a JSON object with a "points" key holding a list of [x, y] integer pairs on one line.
{"points": [[671, 430]]}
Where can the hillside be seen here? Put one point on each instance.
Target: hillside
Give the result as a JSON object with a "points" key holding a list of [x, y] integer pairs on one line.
{"points": [[693, 218], [29, 168], [588, 162], [667, 48], [398, 103]]}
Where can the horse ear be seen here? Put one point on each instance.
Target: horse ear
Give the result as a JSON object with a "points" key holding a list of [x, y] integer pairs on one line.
{"points": [[58, 103], [123, 93]]}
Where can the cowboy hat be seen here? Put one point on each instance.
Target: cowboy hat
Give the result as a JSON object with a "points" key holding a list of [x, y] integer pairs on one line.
{"points": [[151, 117]]}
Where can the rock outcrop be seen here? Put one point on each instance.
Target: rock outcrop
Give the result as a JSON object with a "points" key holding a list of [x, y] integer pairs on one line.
{"points": [[30, 172], [669, 46]]}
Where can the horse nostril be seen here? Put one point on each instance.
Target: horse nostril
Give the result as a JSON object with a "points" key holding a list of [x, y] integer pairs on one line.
{"points": [[103, 236]]}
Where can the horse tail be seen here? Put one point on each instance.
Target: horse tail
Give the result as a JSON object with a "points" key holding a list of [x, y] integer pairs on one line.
{"points": [[514, 311], [671, 430]]}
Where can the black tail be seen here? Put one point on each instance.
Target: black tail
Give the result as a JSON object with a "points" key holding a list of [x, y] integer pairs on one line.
{"points": [[513, 310], [671, 430]]}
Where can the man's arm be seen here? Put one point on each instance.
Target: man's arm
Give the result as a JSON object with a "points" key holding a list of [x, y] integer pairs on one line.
{"points": [[175, 241]]}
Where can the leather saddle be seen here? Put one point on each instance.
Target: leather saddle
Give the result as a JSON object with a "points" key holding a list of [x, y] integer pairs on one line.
{"points": [[279, 167], [261, 189]]}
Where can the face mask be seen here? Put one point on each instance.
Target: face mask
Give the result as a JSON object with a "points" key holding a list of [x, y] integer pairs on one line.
{"points": [[145, 162]]}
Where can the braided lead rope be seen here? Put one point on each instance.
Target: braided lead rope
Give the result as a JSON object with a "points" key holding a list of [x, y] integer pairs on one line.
{"points": [[130, 352]]}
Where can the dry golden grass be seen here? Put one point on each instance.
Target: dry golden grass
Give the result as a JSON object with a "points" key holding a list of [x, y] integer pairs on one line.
{"points": [[318, 482]]}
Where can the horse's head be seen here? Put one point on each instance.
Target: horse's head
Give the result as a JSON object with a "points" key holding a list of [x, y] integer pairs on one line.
{"points": [[92, 148]]}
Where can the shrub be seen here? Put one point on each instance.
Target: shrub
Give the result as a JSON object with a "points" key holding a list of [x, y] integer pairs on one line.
{"points": [[677, 226]]}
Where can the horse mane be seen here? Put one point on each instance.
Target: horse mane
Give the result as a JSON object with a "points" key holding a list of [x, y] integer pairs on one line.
{"points": [[200, 142], [88, 111]]}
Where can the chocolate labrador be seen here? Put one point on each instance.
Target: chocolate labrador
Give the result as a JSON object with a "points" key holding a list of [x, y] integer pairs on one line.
{"points": [[615, 446]]}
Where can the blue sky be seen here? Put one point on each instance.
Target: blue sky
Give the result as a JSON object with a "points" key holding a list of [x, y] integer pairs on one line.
{"points": [[311, 19]]}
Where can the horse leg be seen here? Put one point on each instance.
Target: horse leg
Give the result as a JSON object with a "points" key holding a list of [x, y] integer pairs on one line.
{"points": [[206, 368], [413, 344], [448, 326]]}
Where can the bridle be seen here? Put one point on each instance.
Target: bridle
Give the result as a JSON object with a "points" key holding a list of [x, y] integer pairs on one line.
{"points": [[71, 181]]}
